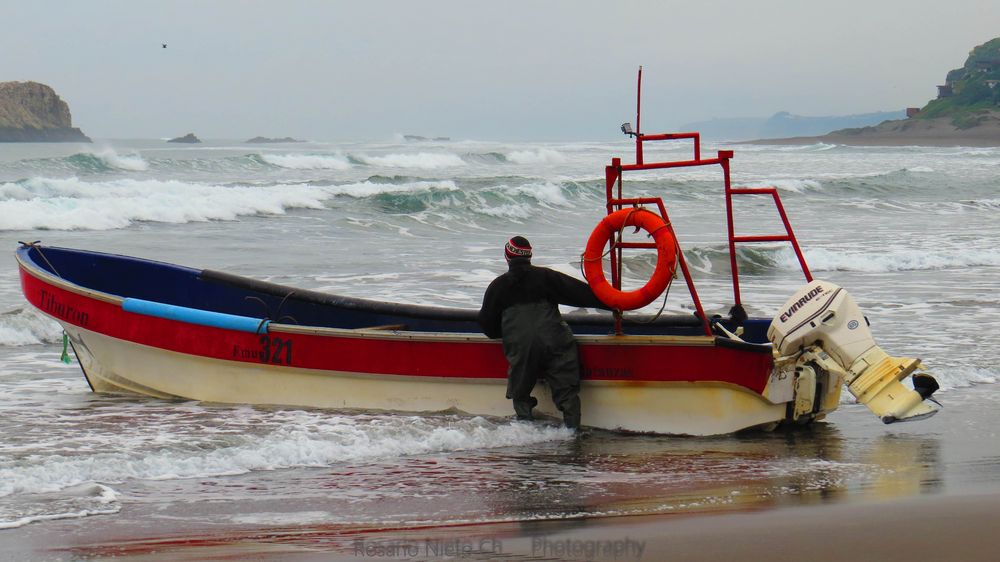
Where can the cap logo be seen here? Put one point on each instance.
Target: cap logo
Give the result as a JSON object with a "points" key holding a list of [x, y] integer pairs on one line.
{"points": [[514, 251]]}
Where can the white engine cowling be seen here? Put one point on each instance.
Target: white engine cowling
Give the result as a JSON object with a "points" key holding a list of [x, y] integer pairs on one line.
{"points": [[822, 311], [823, 316]]}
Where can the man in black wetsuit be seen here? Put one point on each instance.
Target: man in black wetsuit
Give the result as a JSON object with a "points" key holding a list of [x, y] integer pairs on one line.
{"points": [[522, 307]]}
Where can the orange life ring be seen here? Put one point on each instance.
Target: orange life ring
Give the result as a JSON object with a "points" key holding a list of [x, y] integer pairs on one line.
{"points": [[666, 258]]}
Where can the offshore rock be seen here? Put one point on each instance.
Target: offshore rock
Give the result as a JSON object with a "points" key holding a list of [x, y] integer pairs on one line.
{"points": [[33, 112], [188, 138], [267, 140], [418, 138]]}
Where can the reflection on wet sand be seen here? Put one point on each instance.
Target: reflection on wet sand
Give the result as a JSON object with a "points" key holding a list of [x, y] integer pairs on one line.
{"points": [[602, 474], [579, 482]]}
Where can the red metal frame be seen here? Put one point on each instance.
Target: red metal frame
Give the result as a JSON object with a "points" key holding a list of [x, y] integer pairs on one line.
{"points": [[615, 201]]}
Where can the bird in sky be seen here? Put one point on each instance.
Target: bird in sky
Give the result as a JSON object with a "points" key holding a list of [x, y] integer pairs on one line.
{"points": [[164, 45]]}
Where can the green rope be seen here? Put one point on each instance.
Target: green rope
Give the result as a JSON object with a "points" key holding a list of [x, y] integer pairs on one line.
{"points": [[65, 354]]}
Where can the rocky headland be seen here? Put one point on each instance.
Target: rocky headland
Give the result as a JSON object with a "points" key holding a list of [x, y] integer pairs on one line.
{"points": [[33, 112], [965, 113]]}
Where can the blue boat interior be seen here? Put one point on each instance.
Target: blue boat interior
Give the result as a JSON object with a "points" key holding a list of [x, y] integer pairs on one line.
{"points": [[225, 293]]}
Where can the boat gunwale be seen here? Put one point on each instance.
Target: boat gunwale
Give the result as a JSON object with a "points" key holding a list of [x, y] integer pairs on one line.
{"points": [[414, 335], [30, 267], [406, 335]]}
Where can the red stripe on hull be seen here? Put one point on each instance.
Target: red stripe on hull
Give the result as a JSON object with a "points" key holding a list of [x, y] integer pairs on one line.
{"points": [[381, 355]]}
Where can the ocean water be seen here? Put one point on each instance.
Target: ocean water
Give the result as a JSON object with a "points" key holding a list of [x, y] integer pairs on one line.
{"points": [[911, 232]]}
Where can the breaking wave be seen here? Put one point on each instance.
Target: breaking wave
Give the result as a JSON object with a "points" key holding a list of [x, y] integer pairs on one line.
{"points": [[421, 160], [107, 160], [750, 259], [73, 204], [308, 161], [891, 259], [370, 188], [102, 161], [539, 156], [27, 326], [501, 201], [486, 157], [763, 259], [76, 204]]}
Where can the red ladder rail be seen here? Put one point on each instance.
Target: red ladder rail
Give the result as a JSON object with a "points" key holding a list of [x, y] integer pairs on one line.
{"points": [[789, 235]]}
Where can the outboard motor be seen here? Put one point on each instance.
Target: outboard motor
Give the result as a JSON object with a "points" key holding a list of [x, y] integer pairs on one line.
{"points": [[822, 327]]}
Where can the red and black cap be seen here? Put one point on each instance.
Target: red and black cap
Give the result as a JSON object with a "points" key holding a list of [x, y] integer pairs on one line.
{"points": [[517, 247]]}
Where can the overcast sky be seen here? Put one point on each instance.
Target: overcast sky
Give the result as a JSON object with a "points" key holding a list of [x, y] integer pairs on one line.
{"points": [[500, 70]]}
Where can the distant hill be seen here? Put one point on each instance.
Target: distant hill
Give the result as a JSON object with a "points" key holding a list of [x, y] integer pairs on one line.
{"points": [[785, 124], [33, 112], [970, 91]]}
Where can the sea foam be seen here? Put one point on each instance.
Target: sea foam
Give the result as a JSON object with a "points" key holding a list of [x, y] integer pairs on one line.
{"points": [[962, 377], [420, 160], [540, 156], [308, 161], [74, 204], [891, 259], [27, 326], [72, 503], [370, 188], [293, 438]]}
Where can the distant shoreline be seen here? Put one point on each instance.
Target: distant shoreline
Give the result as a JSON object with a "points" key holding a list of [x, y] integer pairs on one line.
{"points": [[907, 132]]}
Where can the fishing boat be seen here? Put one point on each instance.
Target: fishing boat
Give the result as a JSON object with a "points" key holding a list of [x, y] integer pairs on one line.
{"points": [[174, 332]]}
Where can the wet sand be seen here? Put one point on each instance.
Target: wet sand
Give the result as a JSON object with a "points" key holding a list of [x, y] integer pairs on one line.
{"points": [[926, 528], [945, 528], [848, 489]]}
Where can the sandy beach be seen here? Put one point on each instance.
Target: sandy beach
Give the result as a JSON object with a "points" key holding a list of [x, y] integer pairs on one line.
{"points": [[950, 528], [945, 528], [907, 132]]}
